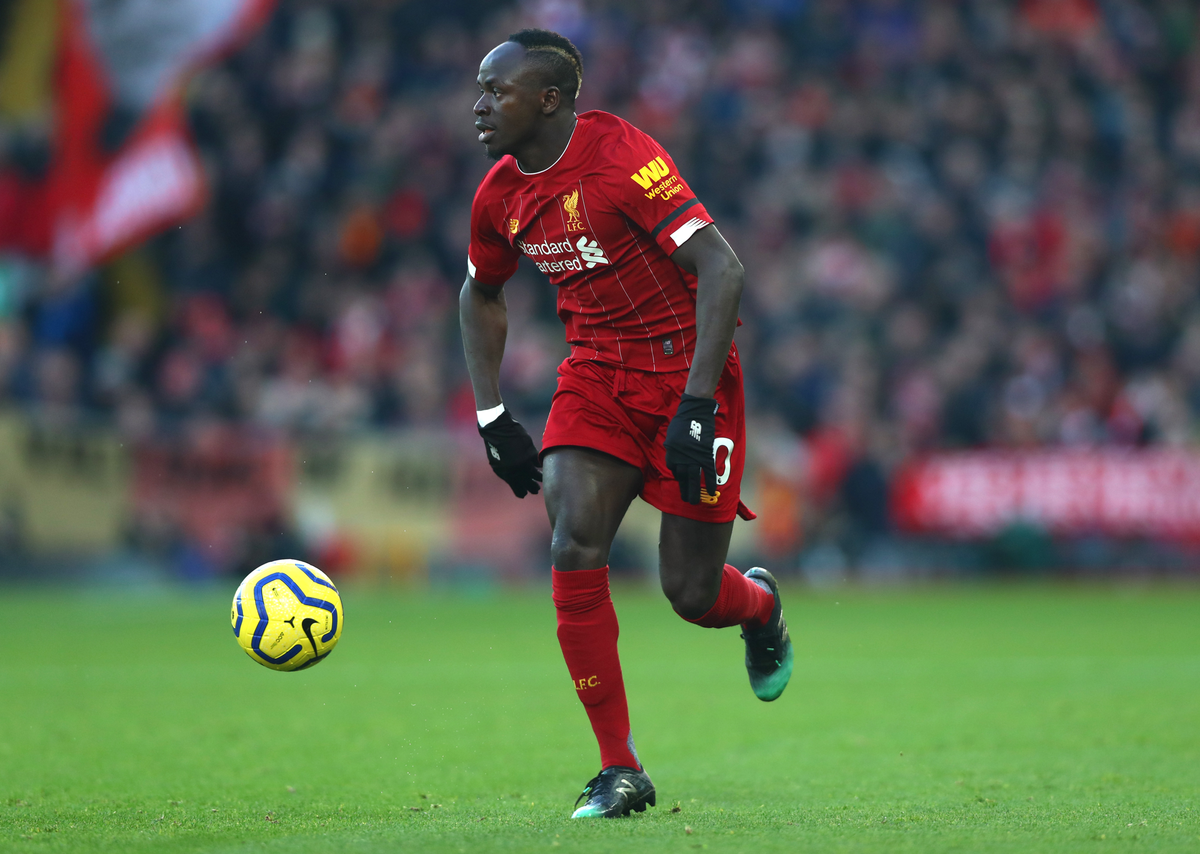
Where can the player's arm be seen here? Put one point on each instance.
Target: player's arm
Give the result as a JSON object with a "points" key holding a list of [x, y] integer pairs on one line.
{"points": [[719, 279], [672, 215], [484, 318], [491, 261], [510, 450], [691, 434]]}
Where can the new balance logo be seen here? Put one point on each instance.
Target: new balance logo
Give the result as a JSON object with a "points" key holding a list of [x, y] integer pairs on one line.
{"points": [[696, 430], [591, 252], [492, 449], [626, 788], [653, 171]]}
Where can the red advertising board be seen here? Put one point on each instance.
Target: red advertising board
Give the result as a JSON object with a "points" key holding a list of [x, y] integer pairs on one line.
{"points": [[1135, 492]]}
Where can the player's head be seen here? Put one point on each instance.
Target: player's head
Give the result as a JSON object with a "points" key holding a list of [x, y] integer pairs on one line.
{"points": [[527, 82]]}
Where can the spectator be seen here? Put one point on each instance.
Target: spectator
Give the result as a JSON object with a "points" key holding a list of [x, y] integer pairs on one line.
{"points": [[963, 223]]}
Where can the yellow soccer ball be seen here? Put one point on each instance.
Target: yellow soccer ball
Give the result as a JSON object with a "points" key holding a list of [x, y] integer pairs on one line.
{"points": [[287, 615]]}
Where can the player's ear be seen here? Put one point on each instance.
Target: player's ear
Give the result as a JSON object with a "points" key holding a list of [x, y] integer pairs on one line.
{"points": [[551, 100]]}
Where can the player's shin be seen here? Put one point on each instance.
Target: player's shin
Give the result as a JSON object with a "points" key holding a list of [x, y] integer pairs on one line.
{"points": [[587, 633], [740, 601]]}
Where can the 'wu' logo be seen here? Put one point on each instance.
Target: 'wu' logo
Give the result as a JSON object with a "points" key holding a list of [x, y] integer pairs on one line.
{"points": [[653, 171], [591, 252]]}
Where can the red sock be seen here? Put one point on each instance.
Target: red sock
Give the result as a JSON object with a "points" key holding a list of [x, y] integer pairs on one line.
{"points": [[740, 601], [587, 633]]}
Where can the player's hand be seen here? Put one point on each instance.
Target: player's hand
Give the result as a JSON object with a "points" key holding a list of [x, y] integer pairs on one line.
{"points": [[689, 445], [512, 455]]}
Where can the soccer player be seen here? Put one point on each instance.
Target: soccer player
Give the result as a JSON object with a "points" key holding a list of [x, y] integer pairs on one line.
{"points": [[649, 402]]}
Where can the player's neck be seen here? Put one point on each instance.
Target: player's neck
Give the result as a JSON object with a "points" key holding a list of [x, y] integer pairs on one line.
{"points": [[542, 153]]}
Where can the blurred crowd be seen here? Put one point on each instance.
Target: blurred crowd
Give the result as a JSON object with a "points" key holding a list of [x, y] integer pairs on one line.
{"points": [[963, 223]]}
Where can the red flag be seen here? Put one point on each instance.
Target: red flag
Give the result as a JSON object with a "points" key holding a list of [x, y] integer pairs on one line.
{"points": [[128, 58]]}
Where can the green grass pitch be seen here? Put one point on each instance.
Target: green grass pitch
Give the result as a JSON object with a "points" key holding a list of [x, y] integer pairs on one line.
{"points": [[972, 719]]}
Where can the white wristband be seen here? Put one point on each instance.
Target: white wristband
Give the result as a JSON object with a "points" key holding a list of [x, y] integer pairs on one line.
{"points": [[487, 416]]}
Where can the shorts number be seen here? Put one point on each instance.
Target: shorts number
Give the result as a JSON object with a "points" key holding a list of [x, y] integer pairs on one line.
{"points": [[727, 444]]}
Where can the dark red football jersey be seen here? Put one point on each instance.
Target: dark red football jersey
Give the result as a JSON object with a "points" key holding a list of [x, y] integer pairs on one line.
{"points": [[601, 223]]}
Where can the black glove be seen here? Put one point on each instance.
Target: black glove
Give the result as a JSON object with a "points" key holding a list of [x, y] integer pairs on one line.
{"points": [[689, 444], [512, 455]]}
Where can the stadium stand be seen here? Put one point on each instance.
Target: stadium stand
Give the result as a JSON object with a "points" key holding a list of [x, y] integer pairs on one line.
{"points": [[964, 225]]}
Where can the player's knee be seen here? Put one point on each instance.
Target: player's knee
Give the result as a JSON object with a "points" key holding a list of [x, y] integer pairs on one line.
{"points": [[691, 598], [570, 552]]}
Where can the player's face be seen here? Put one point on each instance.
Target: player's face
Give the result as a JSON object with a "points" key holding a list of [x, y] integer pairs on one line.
{"points": [[509, 108]]}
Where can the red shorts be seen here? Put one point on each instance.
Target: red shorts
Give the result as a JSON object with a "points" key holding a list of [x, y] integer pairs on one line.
{"points": [[624, 413]]}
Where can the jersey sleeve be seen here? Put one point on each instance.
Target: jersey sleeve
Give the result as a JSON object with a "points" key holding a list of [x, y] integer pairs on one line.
{"points": [[651, 192], [491, 260]]}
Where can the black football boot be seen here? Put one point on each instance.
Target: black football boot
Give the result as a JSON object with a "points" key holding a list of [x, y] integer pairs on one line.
{"points": [[614, 792], [768, 648]]}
